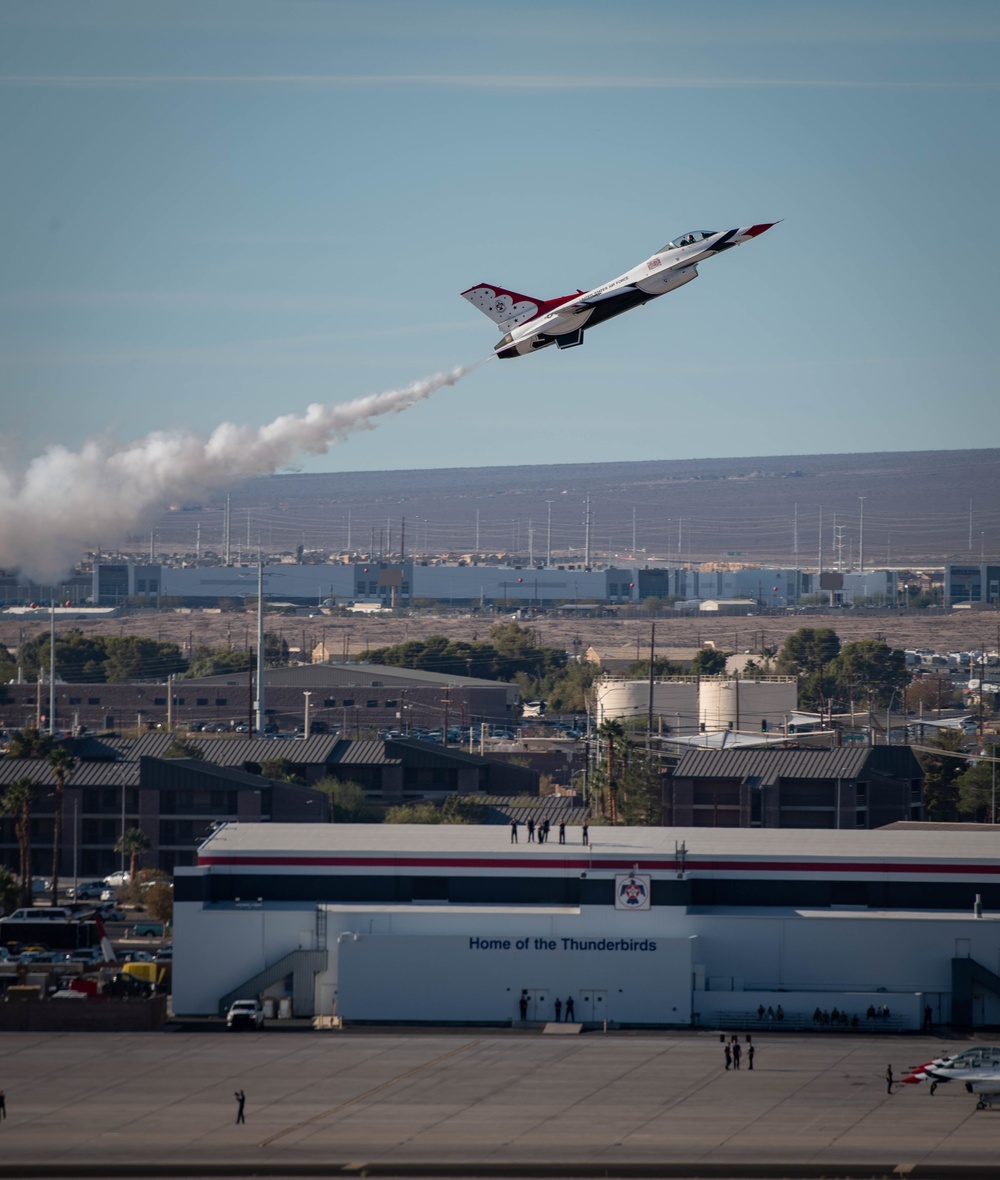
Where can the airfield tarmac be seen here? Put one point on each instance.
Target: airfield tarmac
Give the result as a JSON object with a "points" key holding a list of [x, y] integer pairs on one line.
{"points": [[480, 1102]]}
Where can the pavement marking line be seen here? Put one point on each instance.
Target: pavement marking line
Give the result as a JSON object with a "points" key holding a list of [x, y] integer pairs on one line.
{"points": [[367, 1094]]}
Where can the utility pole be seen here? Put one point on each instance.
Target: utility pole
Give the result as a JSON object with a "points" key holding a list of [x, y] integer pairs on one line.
{"points": [[305, 730], [819, 560], [861, 538], [795, 535], [548, 544], [229, 508], [260, 642], [633, 532], [652, 665], [52, 666], [586, 546]]}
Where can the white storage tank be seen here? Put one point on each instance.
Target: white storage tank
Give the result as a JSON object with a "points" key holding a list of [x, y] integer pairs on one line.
{"points": [[675, 702], [740, 704]]}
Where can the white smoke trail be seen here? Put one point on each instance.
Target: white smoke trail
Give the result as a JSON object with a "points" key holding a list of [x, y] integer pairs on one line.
{"points": [[99, 494]]}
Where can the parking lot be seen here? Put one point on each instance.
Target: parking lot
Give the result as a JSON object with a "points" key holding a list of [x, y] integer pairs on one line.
{"points": [[470, 1102]]}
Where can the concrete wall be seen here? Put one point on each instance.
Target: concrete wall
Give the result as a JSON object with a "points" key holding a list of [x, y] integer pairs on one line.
{"points": [[91, 1015]]}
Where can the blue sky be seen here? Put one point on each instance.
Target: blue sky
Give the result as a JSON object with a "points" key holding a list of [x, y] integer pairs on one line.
{"points": [[228, 210]]}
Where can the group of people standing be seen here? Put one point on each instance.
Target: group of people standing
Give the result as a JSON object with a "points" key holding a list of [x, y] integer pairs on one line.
{"points": [[557, 1007], [538, 833], [734, 1053]]}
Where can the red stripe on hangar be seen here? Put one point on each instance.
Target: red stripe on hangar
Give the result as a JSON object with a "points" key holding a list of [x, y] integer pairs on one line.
{"points": [[664, 866]]}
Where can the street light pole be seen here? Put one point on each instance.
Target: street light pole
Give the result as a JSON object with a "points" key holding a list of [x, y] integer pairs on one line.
{"points": [[861, 538], [305, 729]]}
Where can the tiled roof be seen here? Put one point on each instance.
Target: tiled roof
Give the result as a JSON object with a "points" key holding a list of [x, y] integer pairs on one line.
{"points": [[235, 751], [338, 675], [87, 774], [767, 766]]}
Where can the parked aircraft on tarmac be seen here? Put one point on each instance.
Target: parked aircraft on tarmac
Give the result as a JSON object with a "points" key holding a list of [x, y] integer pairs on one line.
{"points": [[980, 1063], [529, 324]]}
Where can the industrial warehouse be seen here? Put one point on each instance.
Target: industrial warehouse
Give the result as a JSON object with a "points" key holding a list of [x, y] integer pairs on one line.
{"points": [[642, 927]]}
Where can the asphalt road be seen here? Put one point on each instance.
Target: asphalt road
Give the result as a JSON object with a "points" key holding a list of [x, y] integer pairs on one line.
{"points": [[479, 1103]]}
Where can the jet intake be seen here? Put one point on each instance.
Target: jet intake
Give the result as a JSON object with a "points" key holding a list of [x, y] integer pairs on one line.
{"points": [[569, 339], [669, 281]]}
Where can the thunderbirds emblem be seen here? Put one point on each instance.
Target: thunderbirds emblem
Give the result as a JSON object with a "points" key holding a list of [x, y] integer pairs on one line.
{"points": [[632, 892]]}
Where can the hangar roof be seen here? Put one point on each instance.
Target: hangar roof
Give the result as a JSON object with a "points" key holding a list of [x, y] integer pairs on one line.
{"points": [[935, 843]]}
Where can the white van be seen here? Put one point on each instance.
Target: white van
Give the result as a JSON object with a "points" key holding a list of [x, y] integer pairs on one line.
{"points": [[42, 913]]}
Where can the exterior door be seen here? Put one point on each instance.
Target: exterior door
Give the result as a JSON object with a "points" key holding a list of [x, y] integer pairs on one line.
{"points": [[538, 1004], [593, 1005]]}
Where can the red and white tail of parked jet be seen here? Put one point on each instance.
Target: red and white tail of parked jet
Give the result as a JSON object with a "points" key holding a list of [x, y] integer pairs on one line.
{"points": [[529, 324]]}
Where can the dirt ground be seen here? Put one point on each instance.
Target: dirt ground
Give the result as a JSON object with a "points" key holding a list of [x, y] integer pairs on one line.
{"points": [[345, 637]]}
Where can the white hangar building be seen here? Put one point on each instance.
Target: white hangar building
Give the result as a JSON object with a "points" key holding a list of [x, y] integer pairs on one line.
{"points": [[647, 926]]}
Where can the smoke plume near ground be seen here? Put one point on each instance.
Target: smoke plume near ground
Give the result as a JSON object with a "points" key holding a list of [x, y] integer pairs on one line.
{"points": [[67, 501]]}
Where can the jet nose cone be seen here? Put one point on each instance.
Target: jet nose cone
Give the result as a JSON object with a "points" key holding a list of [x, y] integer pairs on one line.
{"points": [[753, 231]]}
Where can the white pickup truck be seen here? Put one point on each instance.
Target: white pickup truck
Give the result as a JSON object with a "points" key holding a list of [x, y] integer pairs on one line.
{"points": [[245, 1014]]}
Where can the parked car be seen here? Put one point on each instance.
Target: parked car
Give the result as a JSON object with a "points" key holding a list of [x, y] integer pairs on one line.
{"points": [[111, 913], [148, 930], [245, 1014], [135, 957], [123, 984], [88, 954], [86, 891], [166, 955], [118, 879]]}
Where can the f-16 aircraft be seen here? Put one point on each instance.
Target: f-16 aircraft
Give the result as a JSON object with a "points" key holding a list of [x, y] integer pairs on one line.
{"points": [[529, 324], [986, 1089], [981, 1063]]}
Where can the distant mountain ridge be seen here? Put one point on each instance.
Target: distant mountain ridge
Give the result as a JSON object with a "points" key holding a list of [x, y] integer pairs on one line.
{"points": [[917, 507]]}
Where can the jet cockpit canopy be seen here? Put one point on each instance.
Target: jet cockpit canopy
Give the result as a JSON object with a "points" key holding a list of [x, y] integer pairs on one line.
{"points": [[689, 239]]}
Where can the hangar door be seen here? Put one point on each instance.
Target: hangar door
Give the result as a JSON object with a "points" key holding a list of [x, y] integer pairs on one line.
{"points": [[460, 978]]}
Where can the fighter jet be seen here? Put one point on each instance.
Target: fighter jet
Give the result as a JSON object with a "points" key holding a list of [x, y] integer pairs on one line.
{"points": [[529, 324]]}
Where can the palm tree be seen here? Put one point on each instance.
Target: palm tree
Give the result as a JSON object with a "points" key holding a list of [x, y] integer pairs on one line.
{"points": [[62, 764], [18, 800], [28, 743], [134, 843], [611, 730]]}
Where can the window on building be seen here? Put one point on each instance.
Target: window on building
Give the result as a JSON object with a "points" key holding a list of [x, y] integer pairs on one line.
{"points": [[159, 700], [201, 700], [222, 700], [76, 700], [93, 700], [348, 702], [329, 703], [392, 704], [371, 704]]}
